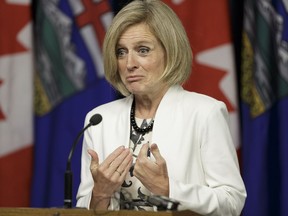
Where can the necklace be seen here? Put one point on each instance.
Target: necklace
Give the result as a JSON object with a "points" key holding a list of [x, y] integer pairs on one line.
{"points": [[134, 124]]}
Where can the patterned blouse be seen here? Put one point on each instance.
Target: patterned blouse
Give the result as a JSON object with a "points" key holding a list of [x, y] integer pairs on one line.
{"points": [[132, 189]]}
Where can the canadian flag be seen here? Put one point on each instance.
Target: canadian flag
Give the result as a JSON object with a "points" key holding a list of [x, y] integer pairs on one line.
{"points": [[207, 24], [16, 102]]}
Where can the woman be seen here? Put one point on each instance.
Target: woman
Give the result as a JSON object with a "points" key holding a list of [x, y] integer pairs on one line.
{"points": [[159, 139]]}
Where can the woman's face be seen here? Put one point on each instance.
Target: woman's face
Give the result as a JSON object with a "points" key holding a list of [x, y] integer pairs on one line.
{"points": [[141, 60]]}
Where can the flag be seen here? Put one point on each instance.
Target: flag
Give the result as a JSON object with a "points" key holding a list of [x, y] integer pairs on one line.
{"points": [[207, 24], [16, 103], [264, 94], [69, 82]]}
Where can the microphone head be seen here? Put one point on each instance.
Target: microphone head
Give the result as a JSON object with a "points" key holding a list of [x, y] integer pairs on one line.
{"points": [[95, 119]]}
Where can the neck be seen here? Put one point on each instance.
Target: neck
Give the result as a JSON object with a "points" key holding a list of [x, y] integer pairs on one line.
{"points": [[147, 105]]}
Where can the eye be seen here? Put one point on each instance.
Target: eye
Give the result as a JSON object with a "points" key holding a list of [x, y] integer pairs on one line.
{"points": [[144, 50], [120, 52]]}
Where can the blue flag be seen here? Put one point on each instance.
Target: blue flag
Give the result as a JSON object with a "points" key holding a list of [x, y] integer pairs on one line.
{"points": [[264, 92], [69, 82]]}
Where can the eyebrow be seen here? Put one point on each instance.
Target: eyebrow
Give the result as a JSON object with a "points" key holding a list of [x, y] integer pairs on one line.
{"points": [[138, 43]]}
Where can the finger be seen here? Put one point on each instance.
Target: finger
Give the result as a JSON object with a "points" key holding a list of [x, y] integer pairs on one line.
{"points": [[142, 165], [125, 165], [93, 154], [94, 159], [120, 162], [143, 151], [156, 153], [127, 168], [109, 160]]}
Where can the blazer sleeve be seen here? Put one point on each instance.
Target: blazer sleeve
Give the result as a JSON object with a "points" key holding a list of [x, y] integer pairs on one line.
{"points": [[222, 191]]}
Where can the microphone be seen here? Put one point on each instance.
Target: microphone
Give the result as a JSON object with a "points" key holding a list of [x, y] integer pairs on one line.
{"points": [[162, 203], [94, 120]]}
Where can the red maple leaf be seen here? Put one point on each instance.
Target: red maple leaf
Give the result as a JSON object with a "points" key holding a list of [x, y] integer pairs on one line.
{"points": [[205, 80], [13, 18], [2, 117], [207, 26]]}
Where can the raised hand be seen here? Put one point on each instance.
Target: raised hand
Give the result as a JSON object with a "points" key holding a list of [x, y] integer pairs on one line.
{"points": [[152, 174], [109, 175]]}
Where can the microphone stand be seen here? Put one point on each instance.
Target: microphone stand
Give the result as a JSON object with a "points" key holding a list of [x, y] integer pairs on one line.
{"points": [[68, 177], [68, 173]]}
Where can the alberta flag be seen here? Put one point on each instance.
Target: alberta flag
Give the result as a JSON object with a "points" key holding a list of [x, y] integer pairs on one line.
{"points": [[69, 82], [264, 93]]}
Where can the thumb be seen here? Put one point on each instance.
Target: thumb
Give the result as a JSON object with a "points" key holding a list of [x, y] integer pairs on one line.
{"points": [[94, 159], [155, 151]]}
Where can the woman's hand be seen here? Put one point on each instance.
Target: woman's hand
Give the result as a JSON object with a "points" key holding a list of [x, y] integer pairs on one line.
{"points": [[108, 176], [153, 175]]}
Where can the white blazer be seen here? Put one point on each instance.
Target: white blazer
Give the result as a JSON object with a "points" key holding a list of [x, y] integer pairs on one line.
{"points": [[192, 133]]}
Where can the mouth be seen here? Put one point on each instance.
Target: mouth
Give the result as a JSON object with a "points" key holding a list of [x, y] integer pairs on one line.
{"points": [[133, 78]]}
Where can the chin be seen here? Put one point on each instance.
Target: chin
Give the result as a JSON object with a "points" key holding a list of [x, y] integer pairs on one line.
{"points": [[137, 91]]}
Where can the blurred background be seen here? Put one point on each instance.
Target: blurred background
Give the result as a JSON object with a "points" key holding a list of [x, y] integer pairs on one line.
{"points": [[51, 75]]}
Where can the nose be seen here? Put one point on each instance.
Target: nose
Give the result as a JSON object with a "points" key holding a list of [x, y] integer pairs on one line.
{"points": [[132, 63]]}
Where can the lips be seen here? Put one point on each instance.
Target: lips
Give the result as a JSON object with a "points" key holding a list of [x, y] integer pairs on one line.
{"points": [[134, 78]]}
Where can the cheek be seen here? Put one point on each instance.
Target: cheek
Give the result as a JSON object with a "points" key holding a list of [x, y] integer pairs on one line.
{"points": [[120, 66], [121, 69], [157, 68], [122, 77], [151, 64]]}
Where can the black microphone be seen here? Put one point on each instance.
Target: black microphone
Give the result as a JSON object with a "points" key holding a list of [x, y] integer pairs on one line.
{"points": [[94, 120], [162, 203]]}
